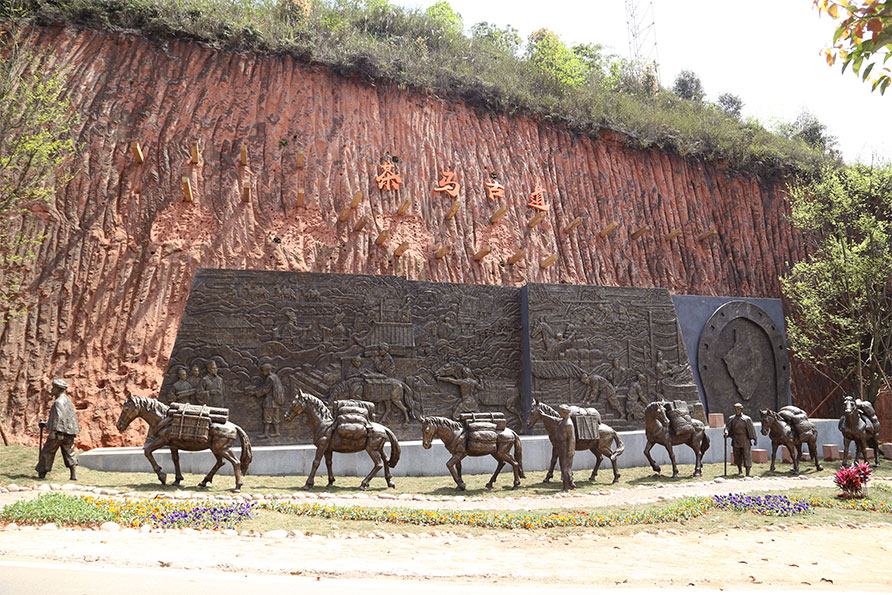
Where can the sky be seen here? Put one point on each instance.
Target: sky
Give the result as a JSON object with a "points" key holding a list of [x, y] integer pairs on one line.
{"points": [[767, 52]]}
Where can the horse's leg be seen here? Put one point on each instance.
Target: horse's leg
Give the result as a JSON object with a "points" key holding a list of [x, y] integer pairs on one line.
{"points": [[388, 477], [492, 480], [653, 464], [796, 453], [454, 466], [554, 458], [813, 451], [311, 478], [210, 476], [175, 457], [596, 450], [227, 454], [774, 447], [845, 450], [671, 452], [399, 405], [150, 447], [376, 459], [329, 467], [698, 454], [507, 458], [607, 453]]}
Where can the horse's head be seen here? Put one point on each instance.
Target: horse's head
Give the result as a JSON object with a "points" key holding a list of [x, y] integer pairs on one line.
{"points": [[428, 431], [656, 411], [849, 406], [298, 406], [768, 418], [129, 412], [535, 415]]}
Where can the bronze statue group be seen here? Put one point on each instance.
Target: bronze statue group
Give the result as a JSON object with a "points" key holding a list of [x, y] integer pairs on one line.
{"points": [[350, 426]]}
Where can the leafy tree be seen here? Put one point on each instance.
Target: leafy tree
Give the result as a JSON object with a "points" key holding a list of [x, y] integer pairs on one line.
{"points": [[863, 38], [688, 86], [551, 56], [442, 14], [36, 151], [811, 131], [731, 104], [507, 40], [841, 294]]}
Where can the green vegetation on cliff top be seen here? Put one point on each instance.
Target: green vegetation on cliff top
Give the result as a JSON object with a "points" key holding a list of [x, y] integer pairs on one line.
{"points": [[580, 87]]}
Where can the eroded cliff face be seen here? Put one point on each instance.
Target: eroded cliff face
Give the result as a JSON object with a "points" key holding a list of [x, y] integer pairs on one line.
{"points": [[111, 279]]}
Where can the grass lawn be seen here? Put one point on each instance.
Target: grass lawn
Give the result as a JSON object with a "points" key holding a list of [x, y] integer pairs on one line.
{"points": [[17, 466]]}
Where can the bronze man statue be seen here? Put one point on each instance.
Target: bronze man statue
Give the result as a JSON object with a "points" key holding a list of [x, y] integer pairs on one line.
{"points": [[273, 394], [567, 435], [63, 428], [741, 430]]}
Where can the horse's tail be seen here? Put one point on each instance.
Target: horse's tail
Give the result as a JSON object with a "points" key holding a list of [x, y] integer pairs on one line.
{"points": [[704, 442], [620, 447], [518, 455], [394, 448], [247, 454]]}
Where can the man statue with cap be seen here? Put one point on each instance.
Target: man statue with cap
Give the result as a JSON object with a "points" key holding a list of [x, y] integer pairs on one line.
{"points": [[741, 430], [63, 428]]}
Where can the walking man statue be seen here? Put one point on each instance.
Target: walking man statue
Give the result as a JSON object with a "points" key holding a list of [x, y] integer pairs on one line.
{"points": [[740, 428], [63, 428], [567, 435]]}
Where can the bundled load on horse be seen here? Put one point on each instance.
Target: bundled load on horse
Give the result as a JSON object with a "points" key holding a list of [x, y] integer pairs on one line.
{"points": [[679, 414], [586, 421], [796, 418], [193, 422], [352, 418], [483, 428]]}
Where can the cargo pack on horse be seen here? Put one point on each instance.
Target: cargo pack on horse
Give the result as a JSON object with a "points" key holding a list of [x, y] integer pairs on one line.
{"points": [[349, 430], [682, 429], [599, 446], [475, 439], [790, 427], [166, 428]]}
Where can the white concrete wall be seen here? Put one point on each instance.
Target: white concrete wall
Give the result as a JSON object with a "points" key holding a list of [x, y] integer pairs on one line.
{"points": [[415, 461]]}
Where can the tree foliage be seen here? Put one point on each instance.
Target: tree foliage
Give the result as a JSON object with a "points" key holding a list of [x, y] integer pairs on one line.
{"points": [[731, 104], [841, 294], [810, 130], [552, 57], [441, 13], [506, 40], [688, 86], [863, 38], [36, 150]]}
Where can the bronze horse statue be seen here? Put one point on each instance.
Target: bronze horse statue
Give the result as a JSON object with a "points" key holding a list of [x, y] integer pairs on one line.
{"points": [[328, 440], [600, 448], [782, 432], [455, 438], [659, 431], [855, 428], [219, 440]]}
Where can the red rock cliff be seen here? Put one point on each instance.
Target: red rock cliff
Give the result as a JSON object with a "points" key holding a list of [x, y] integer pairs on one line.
{"points": [[111, 280]]}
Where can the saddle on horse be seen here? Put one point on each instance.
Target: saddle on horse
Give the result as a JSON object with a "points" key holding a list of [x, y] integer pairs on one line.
{"points": [[193, 422]]}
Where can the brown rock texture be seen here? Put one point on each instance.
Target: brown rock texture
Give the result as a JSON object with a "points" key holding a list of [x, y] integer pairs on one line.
{"points": [[111, 280]]}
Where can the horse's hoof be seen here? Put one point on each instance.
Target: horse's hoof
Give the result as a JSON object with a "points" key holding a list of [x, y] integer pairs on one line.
{"points": [[517, 485], [163, 478], [363, 487], [177, 482], [201, 484], [390, 484], [489, 486], [696, 474], [546, 480], [616, 479], [675, 476], [235, 490], [820, 468], [656, 468], [308, 486]]}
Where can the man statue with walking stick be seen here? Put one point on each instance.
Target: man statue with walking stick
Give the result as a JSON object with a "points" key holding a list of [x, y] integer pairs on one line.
{"points": [[741, 430], [63, 427]]}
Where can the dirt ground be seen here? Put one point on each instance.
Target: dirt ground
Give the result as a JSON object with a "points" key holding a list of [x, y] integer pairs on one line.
{"points": [[835, 558]]}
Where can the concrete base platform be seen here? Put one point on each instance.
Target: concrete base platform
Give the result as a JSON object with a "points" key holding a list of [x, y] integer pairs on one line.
{"points": [[415, 461]]}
